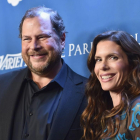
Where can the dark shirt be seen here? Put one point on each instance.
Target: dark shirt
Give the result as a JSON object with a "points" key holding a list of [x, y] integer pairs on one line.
{"points": [[39, 107]]}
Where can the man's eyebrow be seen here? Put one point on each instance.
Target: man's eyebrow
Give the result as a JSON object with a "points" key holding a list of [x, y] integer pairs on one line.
{"points": [[42, 34], [48, 34], [25, 36]]}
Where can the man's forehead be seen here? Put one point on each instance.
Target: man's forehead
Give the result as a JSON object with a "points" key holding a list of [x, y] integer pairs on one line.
{"points": [[44, 15], [41, 15], [42, 19]]}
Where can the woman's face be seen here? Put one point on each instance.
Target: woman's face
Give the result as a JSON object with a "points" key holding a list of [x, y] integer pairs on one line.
{"points": [[111, 66]]}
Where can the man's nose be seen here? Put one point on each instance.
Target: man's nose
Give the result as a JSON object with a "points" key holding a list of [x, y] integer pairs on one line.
{"points": [[35, 44]]}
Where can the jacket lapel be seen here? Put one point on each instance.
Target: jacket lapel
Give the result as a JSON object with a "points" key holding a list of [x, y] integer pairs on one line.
{"points": [[68, 106]]}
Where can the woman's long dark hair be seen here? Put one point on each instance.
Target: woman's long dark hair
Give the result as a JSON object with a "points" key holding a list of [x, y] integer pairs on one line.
{"points": [[100, 120]]}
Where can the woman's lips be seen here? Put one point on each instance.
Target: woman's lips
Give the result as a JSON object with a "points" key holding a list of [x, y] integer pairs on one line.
{"points": [[107, 77]]}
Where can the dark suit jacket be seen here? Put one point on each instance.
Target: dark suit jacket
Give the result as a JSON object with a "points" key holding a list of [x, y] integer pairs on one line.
{"points": [[66, 125]]}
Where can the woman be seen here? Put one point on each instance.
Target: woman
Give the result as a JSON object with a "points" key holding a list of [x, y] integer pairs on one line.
{"points": [[113, 89]]}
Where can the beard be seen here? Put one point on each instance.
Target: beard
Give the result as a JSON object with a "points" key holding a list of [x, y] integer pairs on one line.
{"points": [[51, 59]]}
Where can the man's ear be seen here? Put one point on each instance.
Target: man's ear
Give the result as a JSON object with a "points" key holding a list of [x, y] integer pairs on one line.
{"points": [[63, 40]]}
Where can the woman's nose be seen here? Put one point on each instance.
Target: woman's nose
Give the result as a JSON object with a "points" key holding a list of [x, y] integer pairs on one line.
{"points": [[104, 66]]}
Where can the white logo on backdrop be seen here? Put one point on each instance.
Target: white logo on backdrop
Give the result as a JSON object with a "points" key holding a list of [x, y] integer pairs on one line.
{"points": [[11, 61], [14, 2]]}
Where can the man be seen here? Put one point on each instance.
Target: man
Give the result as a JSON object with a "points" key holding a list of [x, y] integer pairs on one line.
{"points": [[45, 100]]}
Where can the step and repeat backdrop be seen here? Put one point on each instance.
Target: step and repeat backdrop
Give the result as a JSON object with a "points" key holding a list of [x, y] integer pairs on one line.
{"points": [[84, 19]]}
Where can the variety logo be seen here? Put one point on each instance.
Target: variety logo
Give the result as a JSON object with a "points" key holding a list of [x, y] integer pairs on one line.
{"points": [[14, 2], [11, 61]]}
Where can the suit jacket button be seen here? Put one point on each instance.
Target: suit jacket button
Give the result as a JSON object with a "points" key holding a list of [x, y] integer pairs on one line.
{"points": [[26, 135], [30, 113]]}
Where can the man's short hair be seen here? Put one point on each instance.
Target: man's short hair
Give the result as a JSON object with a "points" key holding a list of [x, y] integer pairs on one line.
{"points": [[55, 18]]}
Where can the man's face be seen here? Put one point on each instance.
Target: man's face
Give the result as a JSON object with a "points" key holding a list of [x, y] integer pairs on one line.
{"points": [[41, 46]]}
